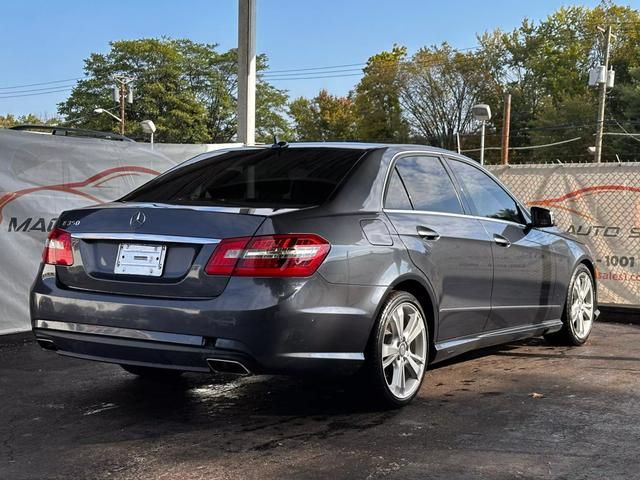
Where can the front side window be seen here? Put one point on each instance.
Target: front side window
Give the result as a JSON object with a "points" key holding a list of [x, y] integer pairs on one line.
{"points": [[429, 186], [486, 197]]}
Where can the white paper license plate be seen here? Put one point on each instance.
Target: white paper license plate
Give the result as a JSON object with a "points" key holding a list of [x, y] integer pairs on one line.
{"points": [[136, 259]]}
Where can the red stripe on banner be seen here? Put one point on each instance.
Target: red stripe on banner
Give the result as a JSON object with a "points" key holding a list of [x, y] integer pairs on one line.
{"points": [[71, 187], [596, 188]]}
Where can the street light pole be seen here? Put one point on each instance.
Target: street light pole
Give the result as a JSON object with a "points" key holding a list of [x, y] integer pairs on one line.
{"points": [[603, 95], [482, 144], [482, 113], [149, 127]]}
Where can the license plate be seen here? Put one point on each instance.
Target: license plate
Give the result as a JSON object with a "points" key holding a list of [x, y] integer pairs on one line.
{"points": [[136, 259]]}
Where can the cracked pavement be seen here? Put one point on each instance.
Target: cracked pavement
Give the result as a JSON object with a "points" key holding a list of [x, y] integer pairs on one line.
{"points": [[475, 417]]}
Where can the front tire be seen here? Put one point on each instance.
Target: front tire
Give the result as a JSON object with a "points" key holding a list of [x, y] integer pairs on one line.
{"points": [[579, 310], [399, 350]]}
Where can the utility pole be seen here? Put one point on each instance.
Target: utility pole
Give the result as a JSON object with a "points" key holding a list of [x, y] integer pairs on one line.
{"points": [[125, 93], [122, 87], [506, 126], [247, 71], [603, 95]]}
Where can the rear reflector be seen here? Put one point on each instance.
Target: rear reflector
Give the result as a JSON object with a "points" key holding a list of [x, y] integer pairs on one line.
{"points": [[294, 255], [57, 250]]}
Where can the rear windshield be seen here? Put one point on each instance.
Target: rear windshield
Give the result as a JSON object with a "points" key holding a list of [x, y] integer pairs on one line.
{"points": [[285, 177]]}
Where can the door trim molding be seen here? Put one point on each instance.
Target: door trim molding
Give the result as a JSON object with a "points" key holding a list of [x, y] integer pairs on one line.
{"points": [[496, 307], [456, 346]]}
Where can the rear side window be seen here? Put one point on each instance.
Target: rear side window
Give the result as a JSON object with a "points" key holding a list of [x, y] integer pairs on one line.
{"points": [[486, 196], [397, 196], [289, 177], [429, 186]]}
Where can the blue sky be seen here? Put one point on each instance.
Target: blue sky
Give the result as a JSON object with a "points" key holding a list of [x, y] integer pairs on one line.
{"points": [[46, 41]]}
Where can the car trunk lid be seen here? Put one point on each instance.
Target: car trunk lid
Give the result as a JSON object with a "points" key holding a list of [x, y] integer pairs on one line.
{"points": [[151, 249]]}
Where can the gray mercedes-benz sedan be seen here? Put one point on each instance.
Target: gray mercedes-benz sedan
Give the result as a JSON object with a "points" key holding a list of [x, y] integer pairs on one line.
{"points": [[344, 258]]}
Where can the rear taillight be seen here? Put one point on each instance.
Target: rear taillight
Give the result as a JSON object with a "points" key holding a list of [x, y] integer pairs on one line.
{"points": [[226, 255], [293, 255], [57, 250]]}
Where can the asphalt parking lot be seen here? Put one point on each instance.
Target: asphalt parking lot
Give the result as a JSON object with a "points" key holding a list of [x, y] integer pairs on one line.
{"points": [[475, 418]]}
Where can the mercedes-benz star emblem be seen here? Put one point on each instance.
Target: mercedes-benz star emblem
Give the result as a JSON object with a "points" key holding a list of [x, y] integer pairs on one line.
{"points": [[138, 219]]}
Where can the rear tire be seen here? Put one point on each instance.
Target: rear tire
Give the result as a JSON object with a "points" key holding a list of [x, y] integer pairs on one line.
{"points": [[398, 351], [579, 310], [152, 373]]}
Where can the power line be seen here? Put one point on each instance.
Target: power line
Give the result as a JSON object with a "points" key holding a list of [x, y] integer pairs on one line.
{"points": [[33, 94], [315, 68], [316, 77], [271, 74], [265, 73], [306, 73], [630, 135], [31, 90], [39, 83], [532, 147], [362, 64], [284, 75]]}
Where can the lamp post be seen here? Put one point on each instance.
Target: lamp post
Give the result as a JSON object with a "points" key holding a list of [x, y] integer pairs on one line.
{"points": [[481, 112], [149, 127], [102, 110]]}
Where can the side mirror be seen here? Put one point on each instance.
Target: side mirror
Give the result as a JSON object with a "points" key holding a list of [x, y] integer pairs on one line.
{"points": [[542, 217]]}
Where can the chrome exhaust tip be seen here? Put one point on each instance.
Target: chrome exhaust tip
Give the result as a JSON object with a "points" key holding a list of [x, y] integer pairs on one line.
{"points": [[220, 365]]}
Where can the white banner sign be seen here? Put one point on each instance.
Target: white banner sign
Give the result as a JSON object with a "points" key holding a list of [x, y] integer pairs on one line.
{"points": [[42, 175], [600, 205]]}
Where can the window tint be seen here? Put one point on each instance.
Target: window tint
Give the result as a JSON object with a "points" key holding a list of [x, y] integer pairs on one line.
{"points": [[487, 198], [396, 194], [428, 184], [255, 178]]}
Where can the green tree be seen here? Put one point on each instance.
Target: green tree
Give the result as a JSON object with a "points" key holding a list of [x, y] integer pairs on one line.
{"points": [[630, 96], [438, 88], [187, 88], [10, 120], [377, 98], [271, 113], [324, 117], [558, 121], [545, 67]]}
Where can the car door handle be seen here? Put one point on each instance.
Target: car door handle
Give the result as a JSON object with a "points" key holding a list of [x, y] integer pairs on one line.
{"points": [[428, 233], [500, 240]]}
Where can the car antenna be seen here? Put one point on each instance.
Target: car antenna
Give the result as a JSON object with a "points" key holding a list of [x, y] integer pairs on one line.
{"points": [[279, 143]]}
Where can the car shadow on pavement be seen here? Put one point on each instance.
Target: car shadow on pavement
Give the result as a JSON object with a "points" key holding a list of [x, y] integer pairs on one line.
{"points": [[204, 398]]}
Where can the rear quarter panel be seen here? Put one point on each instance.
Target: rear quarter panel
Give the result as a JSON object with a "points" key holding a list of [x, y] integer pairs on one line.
{"points": [[376, 257]]}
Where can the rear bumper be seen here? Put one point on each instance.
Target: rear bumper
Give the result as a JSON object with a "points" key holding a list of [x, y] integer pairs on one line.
{"points": [[134, 347], [268, 325]]}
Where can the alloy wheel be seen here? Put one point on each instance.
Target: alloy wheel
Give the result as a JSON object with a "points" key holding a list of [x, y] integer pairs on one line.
{"points": [[582, 306], [404, 350]]}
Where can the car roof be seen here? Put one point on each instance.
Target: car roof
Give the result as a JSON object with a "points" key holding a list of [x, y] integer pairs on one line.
{"points": [[357, 146]]}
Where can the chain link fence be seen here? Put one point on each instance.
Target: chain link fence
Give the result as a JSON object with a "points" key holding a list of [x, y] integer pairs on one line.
{"points": [[600, 204]]}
